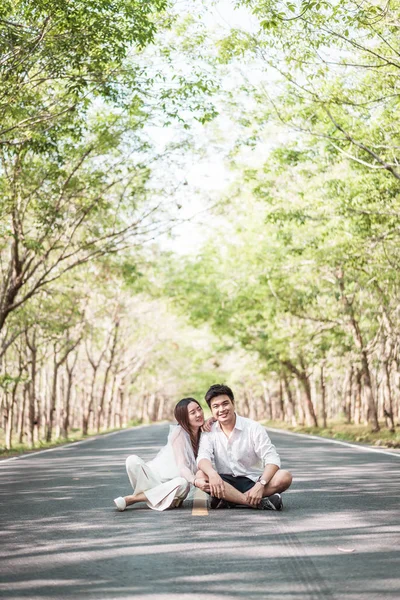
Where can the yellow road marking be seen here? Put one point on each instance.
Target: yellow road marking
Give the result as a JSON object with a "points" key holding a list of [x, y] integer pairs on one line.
{"points": [[200, 504]]}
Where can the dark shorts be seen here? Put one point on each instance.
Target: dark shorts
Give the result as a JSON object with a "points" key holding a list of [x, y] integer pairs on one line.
{"points": [[243, 484]]}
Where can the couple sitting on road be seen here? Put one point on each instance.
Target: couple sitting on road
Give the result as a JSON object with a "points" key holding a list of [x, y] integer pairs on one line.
{"points": [[247, 467]]}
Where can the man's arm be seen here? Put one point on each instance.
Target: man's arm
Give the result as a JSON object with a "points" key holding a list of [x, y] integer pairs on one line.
{"points": [[265, 449], [204, 458], [215, 482], [255, 493]]}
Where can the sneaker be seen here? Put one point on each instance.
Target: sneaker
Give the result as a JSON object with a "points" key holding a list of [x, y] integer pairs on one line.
{"points": [[120, 503], [217, 503], [273, 502], [214, 501]]}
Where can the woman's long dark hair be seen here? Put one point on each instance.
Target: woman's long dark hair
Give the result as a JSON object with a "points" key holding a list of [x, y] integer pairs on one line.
{"points": [[182, 416]]}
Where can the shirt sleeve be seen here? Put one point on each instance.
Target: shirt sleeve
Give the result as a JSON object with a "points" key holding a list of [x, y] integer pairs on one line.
{"points": [[264, 448], [180, 451], [206, 448]]}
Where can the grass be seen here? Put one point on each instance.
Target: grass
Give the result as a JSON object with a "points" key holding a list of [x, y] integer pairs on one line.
{"points": [[74, 436], [348, 432]]}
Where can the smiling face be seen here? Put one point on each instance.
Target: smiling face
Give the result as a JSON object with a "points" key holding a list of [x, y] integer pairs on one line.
{"points": [[223, 409], [195, 415]]}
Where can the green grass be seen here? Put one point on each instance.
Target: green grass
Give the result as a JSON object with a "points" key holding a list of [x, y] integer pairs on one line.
{"points": [[347, 432], [74, 436]]}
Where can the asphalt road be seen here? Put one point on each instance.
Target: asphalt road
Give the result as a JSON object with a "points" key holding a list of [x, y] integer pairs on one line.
{"points": [[61, 537]]}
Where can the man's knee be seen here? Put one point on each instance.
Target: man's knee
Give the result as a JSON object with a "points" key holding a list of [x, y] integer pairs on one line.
{"points": [[285, 478]]}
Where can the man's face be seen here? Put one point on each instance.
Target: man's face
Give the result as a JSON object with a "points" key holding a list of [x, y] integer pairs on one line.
{"points": [[222, 409]]}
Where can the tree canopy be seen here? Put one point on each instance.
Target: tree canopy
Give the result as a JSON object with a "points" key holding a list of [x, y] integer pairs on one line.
{"points": [[107, 109]]}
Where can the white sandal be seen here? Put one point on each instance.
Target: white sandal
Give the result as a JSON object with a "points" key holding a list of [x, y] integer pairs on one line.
{"points": [[120, 503]]}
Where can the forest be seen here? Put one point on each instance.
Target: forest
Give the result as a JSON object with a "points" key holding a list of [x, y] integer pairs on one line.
{"points": [[194, 192]]}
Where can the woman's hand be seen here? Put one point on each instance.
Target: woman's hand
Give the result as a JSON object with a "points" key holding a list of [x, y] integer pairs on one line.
{"points": [[202, 484], [217, 487], [208, 424]]}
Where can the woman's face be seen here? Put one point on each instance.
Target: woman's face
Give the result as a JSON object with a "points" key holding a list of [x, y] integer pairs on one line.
{"points": [[195, 414]]}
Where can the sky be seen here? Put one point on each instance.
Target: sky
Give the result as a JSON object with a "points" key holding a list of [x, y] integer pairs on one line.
{"points": [[209, 177]]}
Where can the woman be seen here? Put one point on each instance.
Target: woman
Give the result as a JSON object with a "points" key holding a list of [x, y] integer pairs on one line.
{"points": [[165, 481]]}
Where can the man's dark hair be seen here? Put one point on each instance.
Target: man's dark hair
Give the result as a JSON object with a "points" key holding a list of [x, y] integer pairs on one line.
{"points": [[218, 390]]}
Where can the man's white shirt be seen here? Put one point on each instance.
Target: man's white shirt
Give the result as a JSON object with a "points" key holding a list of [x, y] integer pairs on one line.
{"points": [[245, 453]]}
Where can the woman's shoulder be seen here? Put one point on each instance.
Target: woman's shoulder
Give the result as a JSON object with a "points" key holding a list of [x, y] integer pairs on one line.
{"points": [[176, 431]]}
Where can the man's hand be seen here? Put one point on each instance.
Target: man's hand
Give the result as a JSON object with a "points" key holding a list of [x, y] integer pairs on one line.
{"points": [[202, 484], [217, 487], [208, 424], [255, 494]]}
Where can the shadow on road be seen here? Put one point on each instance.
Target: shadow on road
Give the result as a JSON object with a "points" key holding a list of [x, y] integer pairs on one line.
{"points": [[62, 538]]}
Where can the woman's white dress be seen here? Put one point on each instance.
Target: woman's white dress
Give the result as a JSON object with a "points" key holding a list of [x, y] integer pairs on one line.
{"points": [[166, 479]]}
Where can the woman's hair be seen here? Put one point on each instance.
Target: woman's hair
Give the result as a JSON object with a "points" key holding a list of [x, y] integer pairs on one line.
{"points": [[182, 416]]}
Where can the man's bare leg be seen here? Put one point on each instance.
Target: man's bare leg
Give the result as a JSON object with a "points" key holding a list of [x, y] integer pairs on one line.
{"points": [[233, 495], [279, 483]]}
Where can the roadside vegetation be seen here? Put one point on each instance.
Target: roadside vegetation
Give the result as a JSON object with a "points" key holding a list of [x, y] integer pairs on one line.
{"points": [[347, 432]]}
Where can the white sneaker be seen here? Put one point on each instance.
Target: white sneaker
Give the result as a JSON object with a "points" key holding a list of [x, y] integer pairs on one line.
{"points": [[120, 503]]}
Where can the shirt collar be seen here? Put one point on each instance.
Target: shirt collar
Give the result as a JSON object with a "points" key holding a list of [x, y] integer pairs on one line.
{"points": [[239, 422], [238, 425]]}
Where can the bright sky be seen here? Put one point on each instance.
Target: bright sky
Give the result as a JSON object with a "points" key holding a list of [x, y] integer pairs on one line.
{"points": [[207, 178]]}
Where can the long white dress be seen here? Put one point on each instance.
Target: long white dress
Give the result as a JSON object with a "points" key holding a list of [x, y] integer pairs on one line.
{"points": [[166, 479]]}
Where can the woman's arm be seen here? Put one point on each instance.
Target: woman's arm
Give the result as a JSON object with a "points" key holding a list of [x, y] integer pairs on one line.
{"points": [[181, 454], [201, 481]]}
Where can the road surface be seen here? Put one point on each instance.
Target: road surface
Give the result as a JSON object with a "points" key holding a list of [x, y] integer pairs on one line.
{"points": [[61, 537]]}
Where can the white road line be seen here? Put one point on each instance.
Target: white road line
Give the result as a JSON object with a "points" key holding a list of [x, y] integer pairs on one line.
{"points": [[73, 444], [330, 441]]}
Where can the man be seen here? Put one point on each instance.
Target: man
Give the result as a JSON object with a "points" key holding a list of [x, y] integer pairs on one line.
{"points": [[244, 457]]}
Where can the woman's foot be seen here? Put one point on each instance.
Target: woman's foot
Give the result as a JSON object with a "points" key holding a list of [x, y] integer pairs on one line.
{"points": [[177, 502], [120, 503]]}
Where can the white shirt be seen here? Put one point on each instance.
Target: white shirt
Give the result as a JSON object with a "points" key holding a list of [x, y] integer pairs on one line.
{"points": [[245, 453]]}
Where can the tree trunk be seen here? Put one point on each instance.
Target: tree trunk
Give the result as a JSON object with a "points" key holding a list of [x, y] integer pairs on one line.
{"points": [[100, 408], [388, 398], [245, 405], [290, 402], [358, 339], [152, 407], [299, 402], [67, 404], [32, 389], [267, 401], [52, 402], [323, 397], [281, 403], [251, 404], [304, 380], [9, 418], [112, 403], [357, 400], [372, 414], [21, 416], [348, 394], [89, 408], [160, 413]]}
